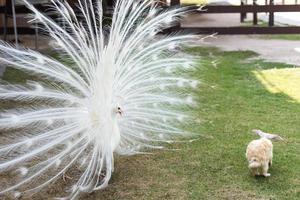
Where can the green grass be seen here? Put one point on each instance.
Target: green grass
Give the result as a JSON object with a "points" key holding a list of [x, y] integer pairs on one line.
{"points": [[232, 102], [291, 37], [260, 23]]}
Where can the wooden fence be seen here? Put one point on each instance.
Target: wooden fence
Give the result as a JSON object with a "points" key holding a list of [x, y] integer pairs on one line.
{"points": [[242, 10]]}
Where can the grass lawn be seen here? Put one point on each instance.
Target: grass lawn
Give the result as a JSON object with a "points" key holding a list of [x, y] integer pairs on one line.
{"points": [[237, 94], [291, 37], [260, 23]]}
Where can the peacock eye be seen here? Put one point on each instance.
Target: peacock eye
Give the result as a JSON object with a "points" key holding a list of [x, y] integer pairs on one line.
{"points": [[119, 110]]}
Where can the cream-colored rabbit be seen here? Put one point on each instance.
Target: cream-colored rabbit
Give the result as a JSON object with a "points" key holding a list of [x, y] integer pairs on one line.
{"points": [[259, 155]]}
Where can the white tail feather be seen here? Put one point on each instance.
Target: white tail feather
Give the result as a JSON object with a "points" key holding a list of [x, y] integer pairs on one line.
{"points": [[267, 135], [115, 97]]}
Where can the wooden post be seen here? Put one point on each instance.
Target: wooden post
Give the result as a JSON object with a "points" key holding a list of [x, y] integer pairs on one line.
{"points": [[271, 15], [177, 26], [243, 15], [254, 14], [110, 3], [266, 3], [104, 6], [175, 2], [6, 13]]}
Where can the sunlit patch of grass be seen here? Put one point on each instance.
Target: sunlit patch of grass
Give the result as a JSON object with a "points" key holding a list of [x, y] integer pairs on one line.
{"points": [[286, 81], [197, 2]]}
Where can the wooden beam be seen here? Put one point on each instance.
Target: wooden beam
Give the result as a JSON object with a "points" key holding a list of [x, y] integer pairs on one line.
{"points": [[24, 9], [239, 30], [250, 8], [21, 31]]}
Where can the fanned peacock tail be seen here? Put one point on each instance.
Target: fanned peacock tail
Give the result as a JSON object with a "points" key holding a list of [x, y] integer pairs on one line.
{"points": [[117, 95]]}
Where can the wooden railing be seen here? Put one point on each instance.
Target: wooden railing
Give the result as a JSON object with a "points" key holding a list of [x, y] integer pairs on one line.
{"points": [[243, 9]]}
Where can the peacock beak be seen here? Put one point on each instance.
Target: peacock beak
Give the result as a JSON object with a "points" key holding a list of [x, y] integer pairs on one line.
{"points": [[119, 111]]}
